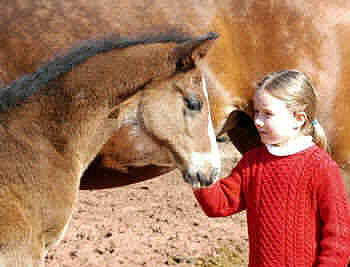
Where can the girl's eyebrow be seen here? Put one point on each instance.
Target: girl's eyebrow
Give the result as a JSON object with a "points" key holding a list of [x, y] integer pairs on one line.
{"points": [[261, 107], [266, 110]]}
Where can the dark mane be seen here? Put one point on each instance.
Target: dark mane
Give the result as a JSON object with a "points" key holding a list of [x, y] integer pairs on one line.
{"points": [[19, 90]]}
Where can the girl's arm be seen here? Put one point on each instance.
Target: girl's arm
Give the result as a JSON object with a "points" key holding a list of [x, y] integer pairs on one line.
{"points": [[226, 196], [335, 218]]}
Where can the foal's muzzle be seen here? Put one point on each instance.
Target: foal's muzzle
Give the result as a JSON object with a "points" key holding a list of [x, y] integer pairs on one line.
{"points": [[198, 179]]}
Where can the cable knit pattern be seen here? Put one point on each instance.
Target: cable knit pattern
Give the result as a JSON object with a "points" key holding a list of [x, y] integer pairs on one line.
{"points": [[297, 209]]}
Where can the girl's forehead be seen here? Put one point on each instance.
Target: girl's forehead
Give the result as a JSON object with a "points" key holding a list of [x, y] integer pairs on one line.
{"points": [[264, 99]]}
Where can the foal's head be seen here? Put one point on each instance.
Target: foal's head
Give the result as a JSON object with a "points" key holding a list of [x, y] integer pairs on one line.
{"points": [[167, 123]]}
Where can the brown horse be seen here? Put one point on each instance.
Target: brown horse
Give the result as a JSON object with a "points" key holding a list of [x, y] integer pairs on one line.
{"points": [[54, 121], [256, 37]]}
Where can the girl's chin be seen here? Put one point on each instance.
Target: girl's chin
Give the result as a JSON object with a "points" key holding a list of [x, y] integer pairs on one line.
{"points": [[267, 141]]}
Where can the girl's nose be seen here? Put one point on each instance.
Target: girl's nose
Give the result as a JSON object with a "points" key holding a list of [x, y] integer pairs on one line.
{"points": [[258, 122]]}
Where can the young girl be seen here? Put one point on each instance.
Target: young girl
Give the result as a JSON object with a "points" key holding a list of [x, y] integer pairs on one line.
{"points": [[297, 208]]}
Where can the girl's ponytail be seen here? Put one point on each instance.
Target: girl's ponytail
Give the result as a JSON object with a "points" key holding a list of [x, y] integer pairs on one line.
{"points": [[319, 136]]}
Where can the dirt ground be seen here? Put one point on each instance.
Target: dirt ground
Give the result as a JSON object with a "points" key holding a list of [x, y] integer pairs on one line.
{"points": [[153, 223]]}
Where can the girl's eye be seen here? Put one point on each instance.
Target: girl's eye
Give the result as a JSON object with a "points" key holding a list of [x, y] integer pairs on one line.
{"points": [[263, 113]]}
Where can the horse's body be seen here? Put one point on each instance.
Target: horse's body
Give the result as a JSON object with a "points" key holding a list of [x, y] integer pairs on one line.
{"points": [[54, 121], [256, 37]]}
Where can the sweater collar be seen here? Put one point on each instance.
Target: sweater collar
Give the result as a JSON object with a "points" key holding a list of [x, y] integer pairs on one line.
{"points": [[299, 144]]}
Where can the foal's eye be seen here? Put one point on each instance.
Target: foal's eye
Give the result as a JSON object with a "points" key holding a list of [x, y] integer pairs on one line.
{"points": [[193, 103]]}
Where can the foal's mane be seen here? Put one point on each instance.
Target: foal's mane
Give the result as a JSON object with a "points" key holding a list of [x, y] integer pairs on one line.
{"points": [[20, 89]]}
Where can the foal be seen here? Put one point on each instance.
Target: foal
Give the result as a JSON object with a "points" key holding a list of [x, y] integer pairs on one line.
{"points": [[55, 120]]}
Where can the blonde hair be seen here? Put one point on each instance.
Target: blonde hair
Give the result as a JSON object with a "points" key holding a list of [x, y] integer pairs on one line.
{"points": [[295, 89]]}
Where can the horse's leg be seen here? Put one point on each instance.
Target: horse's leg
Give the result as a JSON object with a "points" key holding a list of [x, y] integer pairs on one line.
{"points": [[21, 257], [243, 135], [345, 171], [21, 244]]}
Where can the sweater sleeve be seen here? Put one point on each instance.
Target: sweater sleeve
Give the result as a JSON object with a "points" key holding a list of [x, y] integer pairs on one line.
{"points": [[335, 218], [226, 196]]}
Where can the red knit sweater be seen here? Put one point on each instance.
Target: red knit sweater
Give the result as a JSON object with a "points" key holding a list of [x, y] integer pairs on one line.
{"points": [[297, 208]]}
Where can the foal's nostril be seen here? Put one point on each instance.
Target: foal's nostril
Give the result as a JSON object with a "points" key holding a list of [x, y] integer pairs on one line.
{"points": [[203, 180], [200, 177], [214, 175], [194, 179], [187, 177]]}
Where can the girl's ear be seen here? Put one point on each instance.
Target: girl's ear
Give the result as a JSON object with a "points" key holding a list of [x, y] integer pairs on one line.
{"points": [[300, 118]]}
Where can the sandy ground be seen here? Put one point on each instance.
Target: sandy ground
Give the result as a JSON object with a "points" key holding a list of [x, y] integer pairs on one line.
{"points": [[153, 223]]}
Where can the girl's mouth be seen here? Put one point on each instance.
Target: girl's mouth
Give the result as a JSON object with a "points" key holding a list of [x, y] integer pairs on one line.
{"points": [[262, 132]]}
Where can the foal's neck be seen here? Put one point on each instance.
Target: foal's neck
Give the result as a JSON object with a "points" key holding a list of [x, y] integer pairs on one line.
{"points": [[67, 125]]}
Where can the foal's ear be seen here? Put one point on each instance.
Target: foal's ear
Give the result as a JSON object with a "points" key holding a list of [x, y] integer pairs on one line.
{"points": [[186, 54]]}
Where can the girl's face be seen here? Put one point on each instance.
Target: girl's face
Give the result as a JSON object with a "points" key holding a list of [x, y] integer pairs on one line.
{"points": [[275, 123]]}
